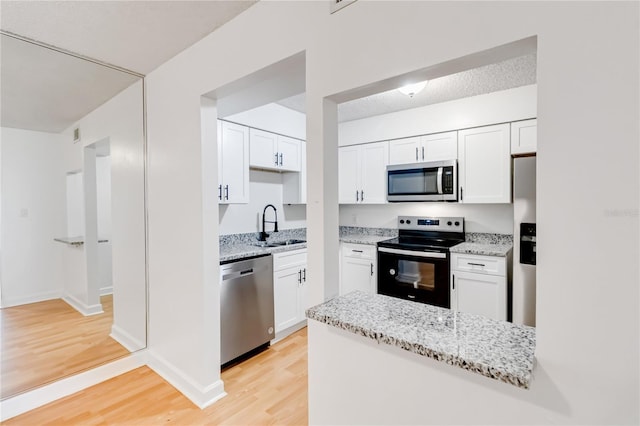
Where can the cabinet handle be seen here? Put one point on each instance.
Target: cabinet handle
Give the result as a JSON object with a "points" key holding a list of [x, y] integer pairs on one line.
{"points": [[299, 276], [372, 269], [460, 193], [357, 199], [276, 158], [226, 191], [453, 282], [304, 275], [476, 264], [416, 153], [361, 196], [423, 153], [220, 192], [281, 159], [356, 251]]}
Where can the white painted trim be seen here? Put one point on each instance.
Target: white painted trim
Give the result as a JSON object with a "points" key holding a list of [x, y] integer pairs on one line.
{"points": [[289, 331], [35, 298], [106, 290], [125, 339], [24, 402], [201, 396], [86, 310]]}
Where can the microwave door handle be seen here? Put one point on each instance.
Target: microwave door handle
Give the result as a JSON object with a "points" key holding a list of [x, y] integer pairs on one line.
{"points": [[439, 180]]}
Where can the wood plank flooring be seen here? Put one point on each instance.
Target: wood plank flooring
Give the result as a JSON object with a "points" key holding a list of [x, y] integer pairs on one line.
{"points": [[270, 388], [43, 342]]}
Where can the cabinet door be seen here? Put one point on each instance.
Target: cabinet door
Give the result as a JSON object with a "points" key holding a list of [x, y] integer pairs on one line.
{"points": [[289, 153], [348, 174], [403, 151], [286, 286], [264, 146], [480, 294], [220, 184], [234, 163], [303, 295], [524, 137], [484, 170], [375, 158], [294, 185], [357, 274], [440, 146]]}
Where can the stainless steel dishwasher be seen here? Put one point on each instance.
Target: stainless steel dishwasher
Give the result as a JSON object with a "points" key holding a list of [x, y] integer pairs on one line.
{"points": [[246, 306]]}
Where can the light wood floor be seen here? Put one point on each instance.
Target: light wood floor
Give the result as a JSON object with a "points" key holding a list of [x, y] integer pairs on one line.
{"points": [[43, 342], [268, 389]]}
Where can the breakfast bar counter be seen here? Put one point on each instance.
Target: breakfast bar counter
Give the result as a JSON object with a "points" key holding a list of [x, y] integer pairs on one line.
{"points": [[495, 349]]}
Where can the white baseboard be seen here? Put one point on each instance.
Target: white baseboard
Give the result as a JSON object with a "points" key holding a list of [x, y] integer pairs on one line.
{"points": [[106, 290], [125, 339], [288, 331], [34, 298], [84, 309], [24, 402], [200, 396]]}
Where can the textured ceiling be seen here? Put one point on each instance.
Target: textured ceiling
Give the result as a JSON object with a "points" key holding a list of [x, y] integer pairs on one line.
{"points": [[136, 35], [509, 74], [45, 90]]}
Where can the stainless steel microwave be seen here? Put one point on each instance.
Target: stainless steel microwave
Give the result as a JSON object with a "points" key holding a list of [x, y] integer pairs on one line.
{"points": [[431, 181]]}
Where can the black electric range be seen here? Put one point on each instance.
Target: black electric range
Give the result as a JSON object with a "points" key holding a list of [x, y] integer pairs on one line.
{"points": [[416, 265]]}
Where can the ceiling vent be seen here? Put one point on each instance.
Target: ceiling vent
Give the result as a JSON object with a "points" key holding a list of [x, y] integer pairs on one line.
{"points": [[336, 5], [76, 135]]}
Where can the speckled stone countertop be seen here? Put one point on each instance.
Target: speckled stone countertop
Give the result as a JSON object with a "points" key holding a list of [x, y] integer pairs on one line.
{"points": [[241, 246], [485, 244], [495, 349], [360, 235]]}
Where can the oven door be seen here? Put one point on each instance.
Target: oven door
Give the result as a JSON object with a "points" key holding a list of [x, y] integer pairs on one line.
{"points": [[420, 276]]}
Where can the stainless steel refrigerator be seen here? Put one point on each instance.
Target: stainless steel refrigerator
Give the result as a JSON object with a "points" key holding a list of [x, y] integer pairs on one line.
{"points": [[524, 244]]}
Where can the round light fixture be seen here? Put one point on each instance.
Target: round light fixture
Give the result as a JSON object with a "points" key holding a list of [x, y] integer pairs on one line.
{"points": [[411, 89]]}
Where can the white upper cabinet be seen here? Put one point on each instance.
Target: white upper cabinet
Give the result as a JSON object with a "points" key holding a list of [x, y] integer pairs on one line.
{"points": [[404, 151], [484, 166], [524, 137], [233, 163], [362, 173], [440, 146], [294, 185], [435, 147], [274, 152]]}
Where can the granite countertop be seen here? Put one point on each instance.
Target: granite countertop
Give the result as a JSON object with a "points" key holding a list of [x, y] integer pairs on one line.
{"points": [[485, 244], [362, 235], [485, 249], [495, 349], [242, 250]]}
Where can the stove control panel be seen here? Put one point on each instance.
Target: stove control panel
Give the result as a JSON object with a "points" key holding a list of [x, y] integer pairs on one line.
{"points": [[419, 223]]}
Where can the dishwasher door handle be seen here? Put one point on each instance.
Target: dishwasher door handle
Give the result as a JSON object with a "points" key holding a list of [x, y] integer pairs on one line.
{"points": [[236, 274]]}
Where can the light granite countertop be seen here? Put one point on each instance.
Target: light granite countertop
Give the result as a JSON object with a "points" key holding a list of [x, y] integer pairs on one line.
{"points": [[242, 250], [363, 239], [485, 249], [362, 235], [495, 349]]}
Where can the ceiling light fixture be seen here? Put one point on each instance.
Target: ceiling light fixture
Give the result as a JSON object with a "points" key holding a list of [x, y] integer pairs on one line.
{"points": [[412, 89]]}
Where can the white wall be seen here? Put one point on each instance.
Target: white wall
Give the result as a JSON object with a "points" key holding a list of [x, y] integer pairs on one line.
{"points": [[273, 118], [492, 218], [33, 206], [581, 323], [120, 120], [491, 108], [264, 188]]}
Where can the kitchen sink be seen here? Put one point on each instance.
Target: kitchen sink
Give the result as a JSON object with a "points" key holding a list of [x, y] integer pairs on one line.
{"points": [[277, 243]]}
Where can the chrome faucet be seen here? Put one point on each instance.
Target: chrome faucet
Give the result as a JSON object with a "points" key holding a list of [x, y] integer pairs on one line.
{"points": [[264, 235]]}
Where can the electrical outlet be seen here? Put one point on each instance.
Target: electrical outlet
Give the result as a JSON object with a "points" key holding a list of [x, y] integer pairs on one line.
{"points": [[24, 212], [354, 219]]}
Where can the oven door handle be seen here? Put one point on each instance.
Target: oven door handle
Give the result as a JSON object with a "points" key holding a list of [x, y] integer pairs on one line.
{"points": [[427, 254]]}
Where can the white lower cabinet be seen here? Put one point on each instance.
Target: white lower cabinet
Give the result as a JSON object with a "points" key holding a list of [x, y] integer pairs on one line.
{"points": [[358, 268], [479, 285], [289, 289]]}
